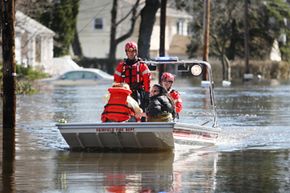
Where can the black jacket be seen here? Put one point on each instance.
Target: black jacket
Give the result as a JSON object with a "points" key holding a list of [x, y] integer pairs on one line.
{"points": [[160, 104]]}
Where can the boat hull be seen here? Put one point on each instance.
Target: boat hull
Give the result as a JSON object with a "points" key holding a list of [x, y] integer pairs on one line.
{"points": [[135, 136]]}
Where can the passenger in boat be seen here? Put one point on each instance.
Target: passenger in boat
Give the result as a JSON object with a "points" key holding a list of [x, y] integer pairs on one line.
{"points": [[161, 106], [167, 80], [135, 73], [121, 106]]}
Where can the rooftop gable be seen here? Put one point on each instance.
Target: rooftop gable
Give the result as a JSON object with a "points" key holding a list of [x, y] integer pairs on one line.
{"points": [[30, 25]]}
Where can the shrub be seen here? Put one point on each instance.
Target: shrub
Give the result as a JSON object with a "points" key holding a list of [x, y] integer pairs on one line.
{"points": [[28, 73]]}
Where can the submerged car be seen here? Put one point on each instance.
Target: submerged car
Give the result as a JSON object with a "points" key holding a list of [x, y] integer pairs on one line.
{"points": [[82, 76]]}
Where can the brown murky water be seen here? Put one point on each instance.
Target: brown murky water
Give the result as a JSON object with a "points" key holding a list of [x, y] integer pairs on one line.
{"points": [[252, 154]]}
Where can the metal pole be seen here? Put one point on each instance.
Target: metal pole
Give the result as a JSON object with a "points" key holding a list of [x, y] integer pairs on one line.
{"points": [[212, 97], [162, 35], [206, 34], [9, 82]]}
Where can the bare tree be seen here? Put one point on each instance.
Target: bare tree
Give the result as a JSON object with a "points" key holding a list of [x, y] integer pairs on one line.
{"points": [[114, 41], [76, 45], [32, 7], [224, 33]]}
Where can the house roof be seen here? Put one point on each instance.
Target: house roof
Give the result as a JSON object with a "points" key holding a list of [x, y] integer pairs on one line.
{"points": [[30, 25]]}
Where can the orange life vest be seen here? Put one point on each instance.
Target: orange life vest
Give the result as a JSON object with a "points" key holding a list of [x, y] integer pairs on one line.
{"points": [[117, 107]]}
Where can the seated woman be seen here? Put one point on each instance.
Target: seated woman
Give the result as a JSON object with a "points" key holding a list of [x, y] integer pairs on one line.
{"points": [[121, 106], [161, 106]]}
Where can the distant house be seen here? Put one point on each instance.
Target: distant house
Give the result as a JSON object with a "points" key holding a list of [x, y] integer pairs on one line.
{"points": [[94, 20], [177, 33], [34, 47], [33, 42]]}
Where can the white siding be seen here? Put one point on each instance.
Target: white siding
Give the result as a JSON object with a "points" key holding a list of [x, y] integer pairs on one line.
{"points": [[33, 43], [96, 42]]}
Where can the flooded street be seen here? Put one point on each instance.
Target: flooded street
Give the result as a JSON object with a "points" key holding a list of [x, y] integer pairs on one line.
{"points": [[252, 154]]}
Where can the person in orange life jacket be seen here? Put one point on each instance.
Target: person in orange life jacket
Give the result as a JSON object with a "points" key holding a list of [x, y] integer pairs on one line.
{"points": [[135, 73], [161, 107], [167, 80], [121, 106]]}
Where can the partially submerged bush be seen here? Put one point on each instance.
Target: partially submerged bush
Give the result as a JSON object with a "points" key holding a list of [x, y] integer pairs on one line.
{"points": [[28, 73], [25, 79], [25, 87]]}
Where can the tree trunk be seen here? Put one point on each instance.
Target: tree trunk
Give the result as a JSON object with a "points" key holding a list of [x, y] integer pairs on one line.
{"points": [[115, 41], [146, 27], [246, 36], [113, 46], [76, 46], [234, 38]]}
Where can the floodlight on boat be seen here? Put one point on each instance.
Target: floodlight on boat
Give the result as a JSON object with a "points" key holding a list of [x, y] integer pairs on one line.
{"points": [[196, 70]]}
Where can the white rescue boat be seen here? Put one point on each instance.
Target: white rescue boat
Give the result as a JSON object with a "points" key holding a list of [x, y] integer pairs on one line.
{"points": [[145, 135]]}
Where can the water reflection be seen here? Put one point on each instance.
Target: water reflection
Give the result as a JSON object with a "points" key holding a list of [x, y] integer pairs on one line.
{"points": [[114, 172], [8, 175]]}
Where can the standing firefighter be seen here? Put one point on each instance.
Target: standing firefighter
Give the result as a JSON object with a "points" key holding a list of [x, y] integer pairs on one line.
{"points": [[135, 73]]}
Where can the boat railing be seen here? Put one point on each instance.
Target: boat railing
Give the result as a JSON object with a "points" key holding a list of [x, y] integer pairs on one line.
{"points": [[197, 67]]}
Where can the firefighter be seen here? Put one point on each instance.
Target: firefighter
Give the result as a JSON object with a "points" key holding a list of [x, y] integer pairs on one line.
{"points": [[135, 73], [167, 80]]}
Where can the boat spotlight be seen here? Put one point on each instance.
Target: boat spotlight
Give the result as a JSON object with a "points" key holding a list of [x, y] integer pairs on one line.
{"points": [[196, 70]]}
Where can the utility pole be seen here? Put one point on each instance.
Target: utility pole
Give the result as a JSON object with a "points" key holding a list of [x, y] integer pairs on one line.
{"points": [[9, 78], [162, 35], [206, 26]]}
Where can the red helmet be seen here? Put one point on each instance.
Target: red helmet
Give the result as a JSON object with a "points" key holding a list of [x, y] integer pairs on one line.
{"points": [[167, 76], [131, 45]]}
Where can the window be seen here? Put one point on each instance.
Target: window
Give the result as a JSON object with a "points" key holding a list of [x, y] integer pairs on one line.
{"points": [[38, 49], [72, 76], [98, 23], [179, 27], [89, 76]]}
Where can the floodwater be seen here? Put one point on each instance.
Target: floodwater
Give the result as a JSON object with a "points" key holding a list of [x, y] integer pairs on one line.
{"points": [[252, 154]]}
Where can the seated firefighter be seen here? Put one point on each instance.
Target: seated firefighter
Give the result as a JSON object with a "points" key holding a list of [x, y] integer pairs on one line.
{"points": [[121, 106], [161, 108], [167, 80]]}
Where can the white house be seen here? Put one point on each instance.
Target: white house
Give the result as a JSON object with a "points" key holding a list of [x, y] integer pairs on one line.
{"points": [[94, 20], [33, 42], [177, 33]]}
